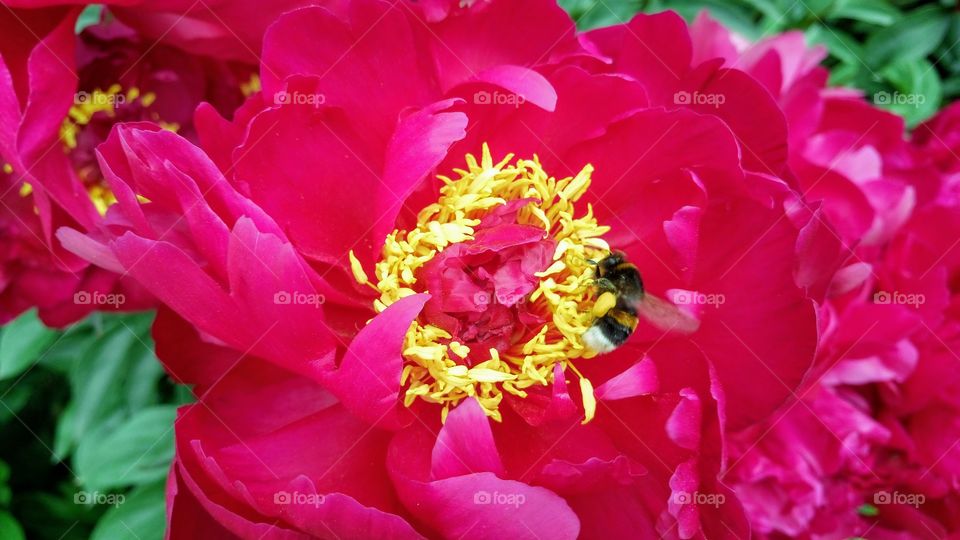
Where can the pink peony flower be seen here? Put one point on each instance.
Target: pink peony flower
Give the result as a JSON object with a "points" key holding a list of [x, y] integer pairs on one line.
{"points": [[377, 278], [63, 92], [849, 159], [867, 451]]}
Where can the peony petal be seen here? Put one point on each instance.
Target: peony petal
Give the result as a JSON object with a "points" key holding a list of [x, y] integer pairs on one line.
{"points": [[480, 505], [654, 49], [465, 444], [473, 38], [639, 379], [683, 426], [351, 51], [368, 380]]}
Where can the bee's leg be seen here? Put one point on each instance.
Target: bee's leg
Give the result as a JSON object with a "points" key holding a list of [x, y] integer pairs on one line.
{"points": [[604, 303], [604, 284]]}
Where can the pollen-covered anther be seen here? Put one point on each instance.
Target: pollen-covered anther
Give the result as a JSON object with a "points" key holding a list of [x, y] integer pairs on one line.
{"points": [[443, 368], [84, 111]]}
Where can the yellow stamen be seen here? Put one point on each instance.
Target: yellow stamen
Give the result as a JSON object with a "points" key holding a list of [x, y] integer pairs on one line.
{"points": [[357, 269], [8, 168], [102, 197], [169, 126], [85, 107], [589, 400], [252, 86], [434, 369]]}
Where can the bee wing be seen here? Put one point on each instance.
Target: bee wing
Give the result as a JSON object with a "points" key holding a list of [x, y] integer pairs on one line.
{"points": [[665, 316]]}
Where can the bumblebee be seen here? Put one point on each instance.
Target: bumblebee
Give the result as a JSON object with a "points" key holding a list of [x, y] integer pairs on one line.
{"points": [[622, 301]]}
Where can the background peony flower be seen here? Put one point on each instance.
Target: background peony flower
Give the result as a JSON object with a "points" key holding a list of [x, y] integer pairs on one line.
{"points": [[33, 273], [36, 271], [229, 30], [86, 83], [888, 328], [257, 244], [848, 158]]}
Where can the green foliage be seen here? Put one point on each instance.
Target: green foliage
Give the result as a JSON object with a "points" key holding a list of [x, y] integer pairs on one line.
{"points": [[89, 16], [91, 414], [142, 515], [21, 343]]}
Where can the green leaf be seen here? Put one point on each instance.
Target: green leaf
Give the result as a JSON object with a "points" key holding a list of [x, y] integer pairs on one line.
{"points": [[5, 493], [142, 516], [9, 528], [768, 8], [88, 17], [878, 12], [911, 38], [22, 342], [55, 514], [917, 91], [96, 380], [141, 388], [16, 395], [62, 354], [736, 18], [816, 9], [840, 44], [597, 13], [63, 434], [868, 510], [115, 375], [951, 87], [138, 451]]}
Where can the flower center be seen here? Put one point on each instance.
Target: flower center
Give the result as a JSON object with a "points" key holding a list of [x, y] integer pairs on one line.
{"points": [[88, 123], [505, 260]]}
